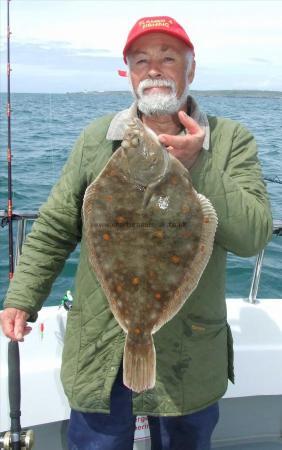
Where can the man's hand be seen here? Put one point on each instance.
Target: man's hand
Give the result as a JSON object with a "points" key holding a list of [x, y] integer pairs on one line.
{"points": [[185, 148], [13, 323]]}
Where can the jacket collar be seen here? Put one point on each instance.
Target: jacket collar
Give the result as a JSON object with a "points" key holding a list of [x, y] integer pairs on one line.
{"points": [[120, 121]]}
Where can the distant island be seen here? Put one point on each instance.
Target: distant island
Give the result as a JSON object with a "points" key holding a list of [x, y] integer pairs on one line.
{"points": [[205, 93], [201, 93]]}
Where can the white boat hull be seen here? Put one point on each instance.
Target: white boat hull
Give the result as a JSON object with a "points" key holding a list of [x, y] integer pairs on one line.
{"points": [[257, 331]]}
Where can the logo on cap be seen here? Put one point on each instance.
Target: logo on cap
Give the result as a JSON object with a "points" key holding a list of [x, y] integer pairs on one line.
{"points": [[150, 23]]}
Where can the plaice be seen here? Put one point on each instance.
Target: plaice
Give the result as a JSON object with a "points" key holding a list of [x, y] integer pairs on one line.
{"points": [[149, 237]]}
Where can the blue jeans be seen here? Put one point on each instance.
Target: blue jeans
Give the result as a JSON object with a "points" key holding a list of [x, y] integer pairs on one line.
{"points": [[115, 431]]}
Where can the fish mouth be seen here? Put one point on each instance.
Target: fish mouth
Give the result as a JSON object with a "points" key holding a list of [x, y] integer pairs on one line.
{"points": [[136, 132]]}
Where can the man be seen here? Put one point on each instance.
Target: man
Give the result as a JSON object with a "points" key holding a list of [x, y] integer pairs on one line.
{"points": [[194, 349]]}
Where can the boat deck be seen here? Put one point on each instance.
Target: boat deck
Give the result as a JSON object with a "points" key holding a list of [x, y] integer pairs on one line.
{"points": [[54, 436], [253, 446], [267, 445]]}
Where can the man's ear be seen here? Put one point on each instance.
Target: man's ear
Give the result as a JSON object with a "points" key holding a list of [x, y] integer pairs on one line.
{"points": [[191, 73]]}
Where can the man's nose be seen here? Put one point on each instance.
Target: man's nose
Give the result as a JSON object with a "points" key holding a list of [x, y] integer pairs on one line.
{"points": [[154, 71]]}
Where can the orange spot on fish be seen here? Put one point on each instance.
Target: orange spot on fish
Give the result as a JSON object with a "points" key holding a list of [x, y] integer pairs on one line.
{"points": [[119, 287], [111, 173], [108, 198], [106, 237], [120, 219], [175, 259], [120, 266], [137, 330], [186, 234], [185, 209], [152, 259], [158, 296], [135, 280], [158, 234], [173, 180], [206, 219]]}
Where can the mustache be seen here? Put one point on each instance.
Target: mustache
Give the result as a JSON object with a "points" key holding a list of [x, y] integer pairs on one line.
{"points": [[148, 83]]}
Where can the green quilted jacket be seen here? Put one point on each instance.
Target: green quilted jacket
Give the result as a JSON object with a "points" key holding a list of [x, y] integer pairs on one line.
{"points": [[194, 350]]}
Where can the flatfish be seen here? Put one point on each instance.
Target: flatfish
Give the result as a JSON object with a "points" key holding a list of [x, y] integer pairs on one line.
{"points": [[149, 236]]}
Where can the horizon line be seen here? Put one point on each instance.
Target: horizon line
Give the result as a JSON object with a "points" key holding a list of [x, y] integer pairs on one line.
{"points": [[102, 91]]}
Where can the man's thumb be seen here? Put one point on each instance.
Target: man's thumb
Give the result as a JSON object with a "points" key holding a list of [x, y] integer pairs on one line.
{"points": [[163, 139], [19, 327]]}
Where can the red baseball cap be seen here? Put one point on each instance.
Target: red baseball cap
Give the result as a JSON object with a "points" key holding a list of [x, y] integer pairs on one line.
{"points": [[163, 24]]}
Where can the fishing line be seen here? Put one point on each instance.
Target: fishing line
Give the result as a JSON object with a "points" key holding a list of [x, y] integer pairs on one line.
{"points": [[50, 136]]}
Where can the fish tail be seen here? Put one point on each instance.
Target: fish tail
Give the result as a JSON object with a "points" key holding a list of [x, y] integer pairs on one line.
{"points": [[139, 365]]}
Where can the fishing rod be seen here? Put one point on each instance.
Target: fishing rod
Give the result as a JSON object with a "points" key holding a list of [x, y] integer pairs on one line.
{"points": [[9, 151], [15, 439]]}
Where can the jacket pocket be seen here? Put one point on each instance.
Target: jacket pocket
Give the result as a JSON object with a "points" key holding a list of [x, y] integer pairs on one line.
{"points": [[204, 360], [230, 350]]}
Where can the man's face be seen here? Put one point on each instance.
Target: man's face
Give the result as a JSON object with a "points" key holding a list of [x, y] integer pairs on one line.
{"points": [[160, 63]]}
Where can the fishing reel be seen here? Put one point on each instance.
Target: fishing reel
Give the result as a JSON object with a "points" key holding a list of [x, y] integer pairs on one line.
{"points": [[20, 441], [66, 301]]}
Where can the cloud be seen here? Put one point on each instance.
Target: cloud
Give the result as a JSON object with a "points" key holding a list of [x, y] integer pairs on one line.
{"points": [[95, 51], [50, 66], [58, 66], [61, 55], [260, 60]]}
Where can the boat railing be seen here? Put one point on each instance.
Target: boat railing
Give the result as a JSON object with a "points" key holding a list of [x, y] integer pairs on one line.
{"points": [[22, 219], [277, 230]]}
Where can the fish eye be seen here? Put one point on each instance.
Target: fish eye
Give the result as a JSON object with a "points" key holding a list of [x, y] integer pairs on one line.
{"points": [[135, 141]]}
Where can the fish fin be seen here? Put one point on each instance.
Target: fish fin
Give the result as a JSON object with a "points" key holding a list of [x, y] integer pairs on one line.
{"points": [[139, 365], [193, 275], [205, 247], [150, 189]]}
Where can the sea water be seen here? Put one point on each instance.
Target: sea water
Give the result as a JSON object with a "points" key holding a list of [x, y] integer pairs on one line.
{"points": [[45, 127]]}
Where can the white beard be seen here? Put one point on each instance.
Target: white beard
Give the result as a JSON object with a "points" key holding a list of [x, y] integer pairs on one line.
{"points": [[160, 103]]}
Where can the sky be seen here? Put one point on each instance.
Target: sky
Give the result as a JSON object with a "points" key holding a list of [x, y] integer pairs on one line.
{"points": [[76, 45]]}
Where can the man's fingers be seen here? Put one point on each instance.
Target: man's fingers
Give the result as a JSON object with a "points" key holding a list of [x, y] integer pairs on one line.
{"points": [[172, 141], [190, 124], [26, 331], [8, 323], [185, 147], [14, 323], [194, 138], [8, 327], [20, 325]]}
